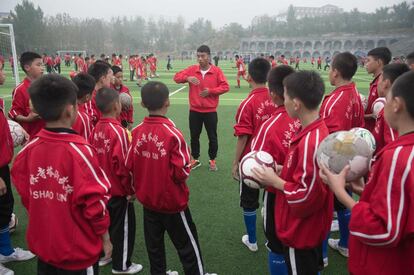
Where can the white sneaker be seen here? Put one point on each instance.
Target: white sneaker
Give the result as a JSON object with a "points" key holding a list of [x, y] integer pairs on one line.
{"points": [[210, 273], [18, 255], [171, 272], [132, 269], [5, 271], [104, 262], [334, 226], [14, 221], [325, 262], [334, 244], [252, 246]]}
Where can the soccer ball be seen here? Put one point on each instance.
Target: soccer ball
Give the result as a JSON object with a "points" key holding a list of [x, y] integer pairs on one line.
{"points": [[378, 105], [345, 148], [126, 101], [17, 133], [72, 74], [366, 135], [254, 159], [364, 101]]}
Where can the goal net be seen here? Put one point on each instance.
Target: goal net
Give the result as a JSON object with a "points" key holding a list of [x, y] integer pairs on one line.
{"points": [[8, 55]]}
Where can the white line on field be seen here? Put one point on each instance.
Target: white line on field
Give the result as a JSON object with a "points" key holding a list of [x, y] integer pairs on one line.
{"points": [[186, 98], [6, 96], [176, 91]]}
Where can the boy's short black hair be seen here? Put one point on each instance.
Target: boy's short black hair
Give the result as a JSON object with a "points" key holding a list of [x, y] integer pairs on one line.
{"points": [[403, 87], [154, 94], [346, 64], [272, 57], [116, 69], [308, 86], [259, 69], [204, 49], [276, 77], [50, 94], [105, 97], [410, 58], [27, 58], [99, 69], [85, 83], [393, 71], [382, 53]]}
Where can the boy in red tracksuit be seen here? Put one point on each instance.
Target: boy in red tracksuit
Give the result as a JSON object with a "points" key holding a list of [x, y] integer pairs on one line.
{"points": [[304, 204], [342, 110], [127, 116], [7, 252], [252, 112], [83, 123], [207, 83], [383, 133], [377, 58], [21, 110], [102, 72], [274, 137], [159, 160], [111, 142], [65, 196], [382, 222], [241, 69]]}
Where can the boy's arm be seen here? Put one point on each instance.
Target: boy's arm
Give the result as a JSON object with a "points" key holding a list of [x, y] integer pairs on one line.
{"points": [[91, 190], [181, 76], [240, 145], [20, 178], [18, 109], [119, 153], [180, 157], [222, 85], [387, 217]]}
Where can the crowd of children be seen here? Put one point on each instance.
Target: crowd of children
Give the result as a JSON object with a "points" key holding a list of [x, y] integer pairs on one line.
{"points": [[81, 206]]}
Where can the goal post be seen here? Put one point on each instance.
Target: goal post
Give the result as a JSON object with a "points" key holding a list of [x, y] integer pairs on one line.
{"points": [[8, 48]]}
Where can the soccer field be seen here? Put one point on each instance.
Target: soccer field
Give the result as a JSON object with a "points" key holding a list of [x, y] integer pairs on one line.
{"points": [[214, 196]]}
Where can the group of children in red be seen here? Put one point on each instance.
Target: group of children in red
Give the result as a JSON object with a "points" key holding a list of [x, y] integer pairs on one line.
{"points": [[80, 211], [289, 120], [80, 205], [138, 66]]}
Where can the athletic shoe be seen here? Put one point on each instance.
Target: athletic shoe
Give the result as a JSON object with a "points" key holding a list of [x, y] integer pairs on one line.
{"points": [[170, 272], [334, 226], [18, 255], [132, 269], [194, 164], [14, 221], [212, 165], [334, 244], [210, 273], [5, 271], [104, 262], [251, 246], [325, 262]]}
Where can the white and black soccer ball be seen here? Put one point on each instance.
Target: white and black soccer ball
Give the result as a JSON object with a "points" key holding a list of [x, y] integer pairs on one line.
{"points": [[364, 101], [254, 159], [378, 105], [17, 133], [126, 101]]}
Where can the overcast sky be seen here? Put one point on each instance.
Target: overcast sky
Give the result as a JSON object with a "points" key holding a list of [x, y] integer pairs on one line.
{"points": [[220, 12]]}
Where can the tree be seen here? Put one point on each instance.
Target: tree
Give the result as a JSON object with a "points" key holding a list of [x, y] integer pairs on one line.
{"points": [[29, 26]]}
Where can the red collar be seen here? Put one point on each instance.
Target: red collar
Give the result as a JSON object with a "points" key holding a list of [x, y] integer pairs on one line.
{"points": [[304, 131], [158, 120], [68, 137]]}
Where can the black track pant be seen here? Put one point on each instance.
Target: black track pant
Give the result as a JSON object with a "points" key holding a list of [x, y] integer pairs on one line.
{"points": [[47, 269], [210, 121], [183, 234], [7, 200], [303, 261], [121, 231]]}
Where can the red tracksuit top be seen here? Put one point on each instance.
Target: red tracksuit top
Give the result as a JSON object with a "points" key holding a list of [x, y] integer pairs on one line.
{"points": [[159, 161], [83, 123], [382, 222], [304, 209], [252, 112], [214, 81], [6, 141], [111, 143], [342, 109], [20, 106], [92, 110], [383, 133], [373, 95], [274, 136], [65, 193], [125, 115]]}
